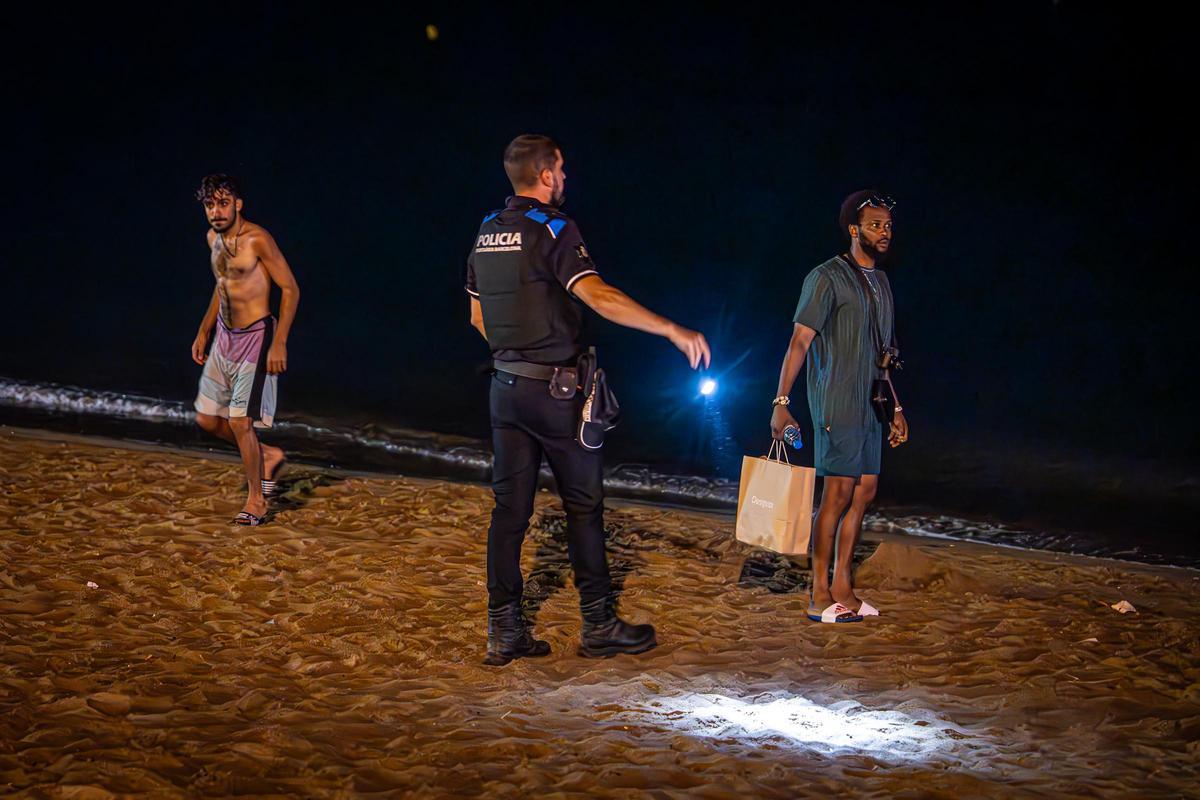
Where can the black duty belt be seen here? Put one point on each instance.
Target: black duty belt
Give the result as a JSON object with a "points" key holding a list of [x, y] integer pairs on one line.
{"points": [[539, 372]]}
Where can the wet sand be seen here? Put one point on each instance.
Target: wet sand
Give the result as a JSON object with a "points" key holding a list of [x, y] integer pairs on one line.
{"points": [[148, 647]]}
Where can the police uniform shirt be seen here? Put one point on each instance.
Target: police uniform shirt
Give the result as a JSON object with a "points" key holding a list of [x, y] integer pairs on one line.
{"points": [[526, 260]]}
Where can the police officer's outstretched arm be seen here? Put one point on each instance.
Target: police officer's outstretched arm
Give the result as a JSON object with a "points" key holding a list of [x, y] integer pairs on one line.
{"points": [[615, 306]]}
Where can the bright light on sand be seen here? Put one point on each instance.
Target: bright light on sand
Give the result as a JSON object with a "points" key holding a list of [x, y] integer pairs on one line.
{"points": [[846, 725], [708, 387]]}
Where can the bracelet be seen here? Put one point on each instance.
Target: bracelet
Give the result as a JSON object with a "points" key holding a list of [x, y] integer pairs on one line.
{"points": [[899, 409], [782, 400]]}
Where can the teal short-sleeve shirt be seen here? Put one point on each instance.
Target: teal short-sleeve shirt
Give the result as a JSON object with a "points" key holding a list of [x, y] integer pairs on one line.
{"points": [[842, 356]]}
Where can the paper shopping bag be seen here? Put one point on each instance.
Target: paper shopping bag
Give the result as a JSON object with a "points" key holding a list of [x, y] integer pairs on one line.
{"points": [[775, 503]]}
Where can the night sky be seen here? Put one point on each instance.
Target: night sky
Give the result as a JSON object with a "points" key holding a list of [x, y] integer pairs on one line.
{"points": [[1042, 249]]}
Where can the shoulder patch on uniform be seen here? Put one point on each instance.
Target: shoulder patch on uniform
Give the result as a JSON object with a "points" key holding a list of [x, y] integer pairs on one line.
{"points": [[490, 217], [556, 226], [537, 216]]}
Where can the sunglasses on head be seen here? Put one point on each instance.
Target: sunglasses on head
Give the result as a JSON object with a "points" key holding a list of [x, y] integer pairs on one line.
{"points": [[877, 201]]}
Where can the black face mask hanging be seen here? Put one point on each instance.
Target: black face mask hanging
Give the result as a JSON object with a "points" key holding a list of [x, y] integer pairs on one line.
{"points": [[601, 412]]}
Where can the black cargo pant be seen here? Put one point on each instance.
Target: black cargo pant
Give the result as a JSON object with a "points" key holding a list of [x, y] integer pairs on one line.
{"points": [[527, 423]]}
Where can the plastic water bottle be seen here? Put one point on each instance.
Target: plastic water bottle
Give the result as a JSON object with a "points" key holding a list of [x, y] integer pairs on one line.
{"points": [[791, 435]]}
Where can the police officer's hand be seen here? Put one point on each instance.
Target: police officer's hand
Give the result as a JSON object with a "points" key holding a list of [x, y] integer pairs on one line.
{"points": [[692, 344], [780, 419]]}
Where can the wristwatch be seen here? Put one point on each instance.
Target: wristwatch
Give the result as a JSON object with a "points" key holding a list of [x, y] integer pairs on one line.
{"points": [[782, 400]]}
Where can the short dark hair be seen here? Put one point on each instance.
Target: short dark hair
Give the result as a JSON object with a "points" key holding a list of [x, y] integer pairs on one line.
{"points": [[527, 155], [851, 212], [216, 183]]}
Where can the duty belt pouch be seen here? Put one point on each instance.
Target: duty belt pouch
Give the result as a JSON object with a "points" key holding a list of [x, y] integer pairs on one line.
{"points": [[601, 412], [565, 383], [883, 400]]}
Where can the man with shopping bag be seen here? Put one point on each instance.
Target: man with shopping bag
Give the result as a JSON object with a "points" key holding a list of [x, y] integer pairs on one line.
{"points": [[844, 328]]}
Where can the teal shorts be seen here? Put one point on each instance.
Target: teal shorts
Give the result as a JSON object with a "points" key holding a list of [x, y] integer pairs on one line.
{"points": [[848, 452]]}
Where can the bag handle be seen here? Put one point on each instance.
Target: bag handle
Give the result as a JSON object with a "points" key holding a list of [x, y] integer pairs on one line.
{"points": [[778, 452]]}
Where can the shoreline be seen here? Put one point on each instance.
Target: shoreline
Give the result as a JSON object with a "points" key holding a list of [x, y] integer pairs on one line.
{"points": [[1044, 496], [871, 534]]}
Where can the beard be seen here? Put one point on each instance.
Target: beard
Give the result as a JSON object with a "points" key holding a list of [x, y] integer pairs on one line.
{"points": [[558, 195], [874, 253], [222, 227]]}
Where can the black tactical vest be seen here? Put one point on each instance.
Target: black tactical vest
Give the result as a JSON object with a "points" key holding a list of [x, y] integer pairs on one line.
{"points": [[527, 313]]}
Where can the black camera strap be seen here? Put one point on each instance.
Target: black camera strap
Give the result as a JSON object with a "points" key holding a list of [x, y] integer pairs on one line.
{"points": [[876, 311], [884, 401]]}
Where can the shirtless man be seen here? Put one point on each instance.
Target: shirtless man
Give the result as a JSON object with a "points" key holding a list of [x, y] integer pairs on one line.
{"points": [[238, 386]]}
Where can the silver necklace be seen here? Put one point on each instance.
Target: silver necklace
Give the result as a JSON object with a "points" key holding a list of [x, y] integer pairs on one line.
{"points": [[867, 274]]}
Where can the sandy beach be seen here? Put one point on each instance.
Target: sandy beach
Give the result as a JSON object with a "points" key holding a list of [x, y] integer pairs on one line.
{"points": [[149, 648]]}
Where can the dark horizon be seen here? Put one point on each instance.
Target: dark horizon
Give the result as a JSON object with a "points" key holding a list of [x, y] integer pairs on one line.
{"points": [[706, 159]]}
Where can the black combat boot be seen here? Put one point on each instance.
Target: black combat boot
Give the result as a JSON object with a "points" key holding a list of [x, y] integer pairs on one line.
{"points": [[508, 638], [605, 634]]}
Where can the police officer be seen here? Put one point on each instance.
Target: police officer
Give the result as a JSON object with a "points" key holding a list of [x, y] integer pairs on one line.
{"points": [[526, 275]]}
